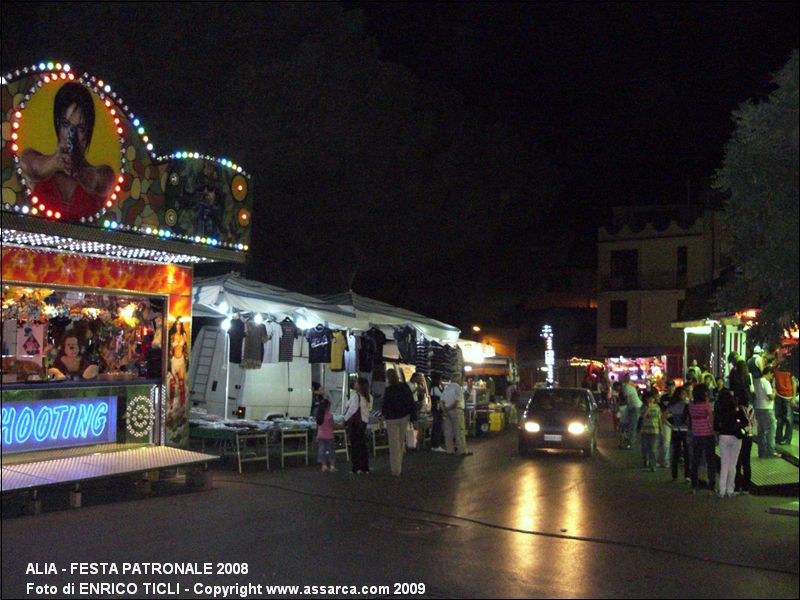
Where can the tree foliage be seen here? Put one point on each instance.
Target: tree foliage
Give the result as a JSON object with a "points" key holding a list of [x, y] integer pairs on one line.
{"points": [[760, 175]]}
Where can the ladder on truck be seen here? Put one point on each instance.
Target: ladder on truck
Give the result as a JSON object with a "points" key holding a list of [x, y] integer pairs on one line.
{"points": [[203, 358]]}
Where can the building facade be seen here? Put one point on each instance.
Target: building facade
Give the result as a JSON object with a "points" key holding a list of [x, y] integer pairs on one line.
{"points": [[647, 257]]}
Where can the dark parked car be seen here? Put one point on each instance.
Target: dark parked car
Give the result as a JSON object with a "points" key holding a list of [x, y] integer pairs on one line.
{"points": [[563, 418]]}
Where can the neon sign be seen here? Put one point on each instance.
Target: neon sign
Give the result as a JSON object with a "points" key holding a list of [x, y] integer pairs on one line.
{"points": [[45, 424]]}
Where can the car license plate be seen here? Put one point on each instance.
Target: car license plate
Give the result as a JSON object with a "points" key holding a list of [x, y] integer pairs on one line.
{"points": [[552, 438]]}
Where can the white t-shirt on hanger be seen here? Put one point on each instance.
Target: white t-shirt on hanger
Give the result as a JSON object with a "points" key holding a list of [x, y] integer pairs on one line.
{"points": [[272, 346]]}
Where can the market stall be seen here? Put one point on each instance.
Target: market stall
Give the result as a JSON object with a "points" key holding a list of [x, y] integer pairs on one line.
{"points": [[99, 239], [642, 370]]}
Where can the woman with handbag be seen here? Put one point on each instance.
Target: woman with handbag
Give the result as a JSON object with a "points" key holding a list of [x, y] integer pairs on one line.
{"points": [[398, 409], [729, 423], [356, 418]]}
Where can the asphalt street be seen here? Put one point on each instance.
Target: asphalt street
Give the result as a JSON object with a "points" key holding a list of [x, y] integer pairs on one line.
{"points": [[488, 525]]}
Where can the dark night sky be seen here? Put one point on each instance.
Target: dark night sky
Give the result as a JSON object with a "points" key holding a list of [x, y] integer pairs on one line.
{"points": [[630, 99], [431, 155]]}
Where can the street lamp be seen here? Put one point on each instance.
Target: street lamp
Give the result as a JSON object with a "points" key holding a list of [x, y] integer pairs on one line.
{"points": [[549, 354], [226, 325]]}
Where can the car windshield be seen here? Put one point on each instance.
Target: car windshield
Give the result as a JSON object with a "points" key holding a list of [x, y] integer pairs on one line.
{"points": [[559, 400]]}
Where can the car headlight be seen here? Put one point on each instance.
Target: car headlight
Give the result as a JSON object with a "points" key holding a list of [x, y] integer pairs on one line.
{"points": [[576, 428], [532, 427]]}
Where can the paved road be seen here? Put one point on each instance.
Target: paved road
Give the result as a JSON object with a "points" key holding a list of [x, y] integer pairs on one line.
{"points": [[490, 525]]}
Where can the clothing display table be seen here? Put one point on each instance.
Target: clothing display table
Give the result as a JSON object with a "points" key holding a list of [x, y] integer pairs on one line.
{"points": [[341, 444], [380, 438], [298, 444], [236, 440]]}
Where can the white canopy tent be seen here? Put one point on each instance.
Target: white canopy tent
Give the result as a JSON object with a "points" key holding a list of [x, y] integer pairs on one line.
{"points": [[247, 296], [382, 315]]}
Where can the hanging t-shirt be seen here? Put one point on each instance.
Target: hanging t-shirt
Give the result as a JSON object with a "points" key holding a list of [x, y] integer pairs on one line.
{"points": [[338, 348], [406, 339], [350, 355], [371, 350], [273, 344], [236, 335], [319, 344], [288, 335], [253, 354]]}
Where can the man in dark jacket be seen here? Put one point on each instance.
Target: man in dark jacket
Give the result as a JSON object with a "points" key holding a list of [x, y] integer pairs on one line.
{"points": [[398, 409]]}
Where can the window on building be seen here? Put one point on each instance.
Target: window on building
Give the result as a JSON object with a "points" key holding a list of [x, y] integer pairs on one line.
{"points": [[625, 269], [619, 314]]}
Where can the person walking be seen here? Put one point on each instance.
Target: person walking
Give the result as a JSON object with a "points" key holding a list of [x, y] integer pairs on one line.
{"points": [[455, 429], [630, 397], [437, 429], [743, 470], [785, 393], [678, 419], [765, 414], [651, 430], [665, 441], [398, 411], [729, 423], [326, 453], [356, 419], [701, 425]]}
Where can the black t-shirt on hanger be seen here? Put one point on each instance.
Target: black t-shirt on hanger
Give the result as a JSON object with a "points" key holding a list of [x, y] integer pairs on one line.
{"points": [[371, 350], [319, 344], [236, 334]]}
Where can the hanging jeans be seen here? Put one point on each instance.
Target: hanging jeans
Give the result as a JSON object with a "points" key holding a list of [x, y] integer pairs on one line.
{"points": [[729, 448], [358, 446], [680, 447], [743, 472], [703, 445], [766, 432], [783, 416]]}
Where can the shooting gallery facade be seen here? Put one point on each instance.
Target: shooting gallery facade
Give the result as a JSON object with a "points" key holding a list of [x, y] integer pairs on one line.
{"points": [[99, 239]]}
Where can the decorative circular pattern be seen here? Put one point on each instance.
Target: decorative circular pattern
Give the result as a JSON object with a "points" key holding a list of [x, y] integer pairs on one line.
{"points": [[171, 217], [55, 74], [140, 416], [239, 188], [127, 126], [244, 217]]}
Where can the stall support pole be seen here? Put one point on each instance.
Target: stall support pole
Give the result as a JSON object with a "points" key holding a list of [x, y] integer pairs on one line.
{"points": [[226, 362]]}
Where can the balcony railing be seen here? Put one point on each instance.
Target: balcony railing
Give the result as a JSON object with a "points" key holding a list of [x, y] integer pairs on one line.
{"points": [[644, 281]]}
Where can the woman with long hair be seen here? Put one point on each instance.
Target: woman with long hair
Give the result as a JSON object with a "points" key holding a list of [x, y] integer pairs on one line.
{"points": [[701, 423], [356, 418], [729, 423]]}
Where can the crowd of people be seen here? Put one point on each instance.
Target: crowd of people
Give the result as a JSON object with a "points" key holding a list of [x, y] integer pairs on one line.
{"points": [[401, 405], [685, 424]]}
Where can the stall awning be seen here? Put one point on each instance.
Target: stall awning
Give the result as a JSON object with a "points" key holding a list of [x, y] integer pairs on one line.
{"points": [[379, 314], [245, 295]]}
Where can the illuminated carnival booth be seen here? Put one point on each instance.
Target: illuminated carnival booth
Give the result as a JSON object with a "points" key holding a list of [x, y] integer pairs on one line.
{"points": [[99, 239]]}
